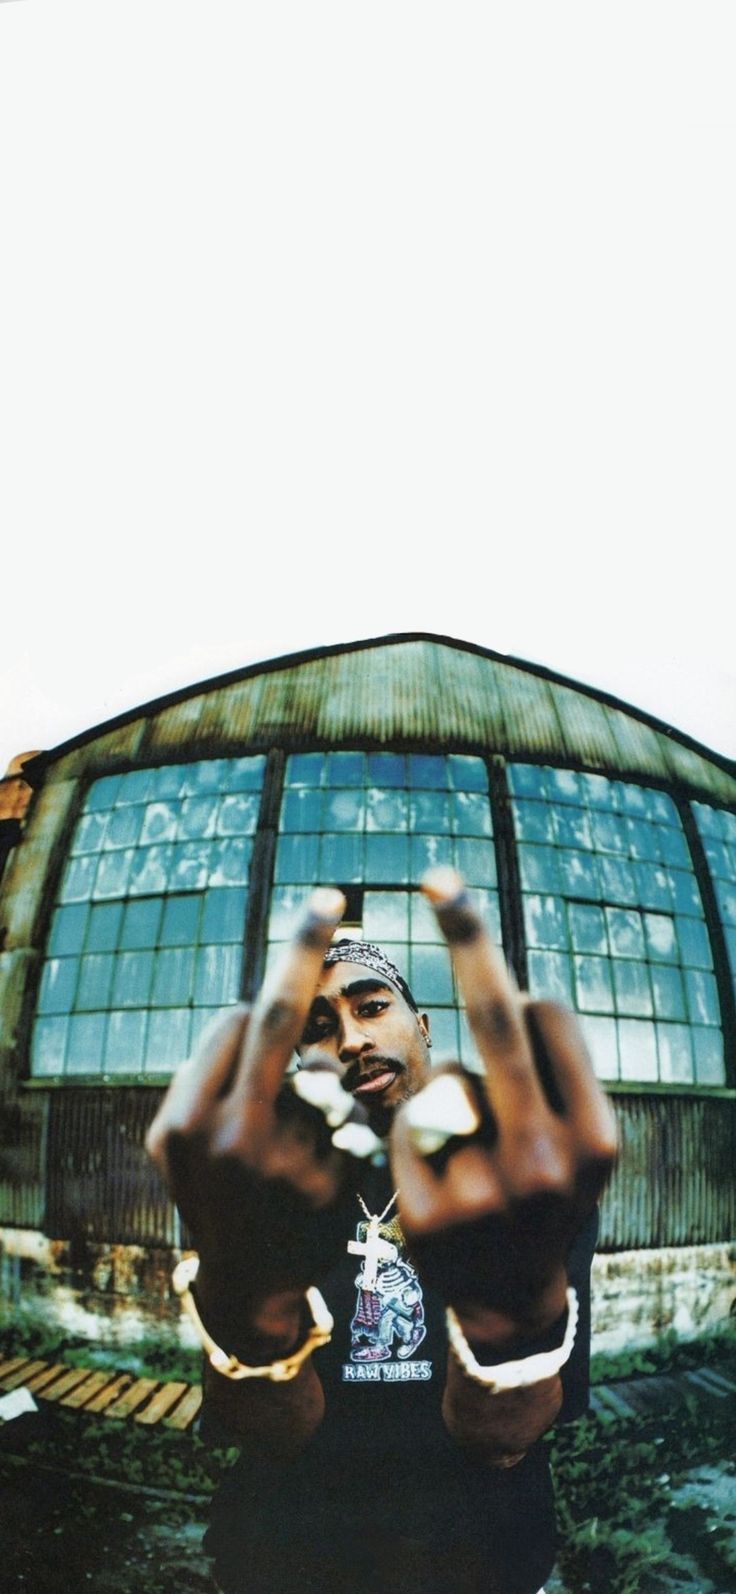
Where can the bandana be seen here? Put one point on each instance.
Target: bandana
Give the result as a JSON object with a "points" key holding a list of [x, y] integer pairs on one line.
{"points": [[372, 958]]}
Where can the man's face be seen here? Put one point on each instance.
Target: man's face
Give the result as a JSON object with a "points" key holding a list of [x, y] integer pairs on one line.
{"points": [[360, 1021]]}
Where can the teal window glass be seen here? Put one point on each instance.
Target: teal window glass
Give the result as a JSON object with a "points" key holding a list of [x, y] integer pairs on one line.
{"points": [[717, 828], [614, 920], [145, 941], [374, 823]]}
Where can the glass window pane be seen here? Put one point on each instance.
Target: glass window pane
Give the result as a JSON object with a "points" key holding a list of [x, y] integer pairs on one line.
{"points": [[644, 841], [602, 1041], [424, 926], [95, 980], [90, 833], [387, 859], [476, 861], [190, 866], [426, 769], [305, 769], [710, 1068], [78, 880], [217, 977], [197, 817], [85, 1043], [426, 851], [598, 792], [490, 912], [223, 917], [387, 810], [668, 992], [550, 976], [573, 828], [625, 933], [471, 814], [693, 942], [617, 878], [150, 871], [286, 905], [102, 793], [167, 1040], [587, 929], [345, 769], [133, 975], [430, 813], [58, 984], [675, 1053], [140, 923], [137, 786], [68, 929], [169, 780], [659, 930], [444, 1032], [387, 769], [431, 974], [674, 847], [563, 786], [386, 916], [207, 775], [238, 815], [244, 774], [49, 1045], [103, 933], [534, 822], [180, 924], [345, 809], [685, 892], [633, 991], [302, 809], [124, 827], [230, 863], [124, 1046], [594, 991], [341, 859], [113, 874], [544, 918], [172, 984], [579, 873], [467, 773], [160, 821], [637, 1045], [702, 997], [539, 869], [527, 780]]}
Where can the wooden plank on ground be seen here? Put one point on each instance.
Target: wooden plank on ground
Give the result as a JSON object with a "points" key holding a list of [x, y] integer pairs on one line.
{"points": [[84, 1392], [39, 1380], [74, 1376], [132, 1397], [22, 1374], [8, 1368], [187, 1409], [110, 1393], [162, 1402]]}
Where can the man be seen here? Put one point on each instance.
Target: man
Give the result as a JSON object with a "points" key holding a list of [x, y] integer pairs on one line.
{"points": [[386, 1463]]}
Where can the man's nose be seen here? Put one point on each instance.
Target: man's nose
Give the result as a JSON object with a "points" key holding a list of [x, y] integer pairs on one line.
{"points": [[353, 1041]]}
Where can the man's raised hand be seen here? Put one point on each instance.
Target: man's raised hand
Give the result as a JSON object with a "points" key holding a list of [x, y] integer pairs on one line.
{"points": [[497, 1181]]}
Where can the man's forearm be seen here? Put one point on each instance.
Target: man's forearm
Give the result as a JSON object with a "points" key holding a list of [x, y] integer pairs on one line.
{"points": [[281, 1416], [498, 1428]]}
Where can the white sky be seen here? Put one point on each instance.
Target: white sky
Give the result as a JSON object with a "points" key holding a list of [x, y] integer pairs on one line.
{"points": [[319, 321]]}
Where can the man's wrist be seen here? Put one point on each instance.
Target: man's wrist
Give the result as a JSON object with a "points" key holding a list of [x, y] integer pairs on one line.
{"points": [[495, 1335]]}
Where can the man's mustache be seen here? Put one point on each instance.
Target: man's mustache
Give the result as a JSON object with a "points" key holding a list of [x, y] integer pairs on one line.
{"points": [[358, 1073]]}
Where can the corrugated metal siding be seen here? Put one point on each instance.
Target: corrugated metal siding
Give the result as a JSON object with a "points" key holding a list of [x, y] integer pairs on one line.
{"points": [[674, 1184], [22, 1162], [418, 691], [101, 1184]]}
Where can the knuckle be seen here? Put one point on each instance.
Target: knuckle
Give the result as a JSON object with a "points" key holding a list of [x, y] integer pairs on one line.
{"points": [[494, 1019], [280, 1019]]}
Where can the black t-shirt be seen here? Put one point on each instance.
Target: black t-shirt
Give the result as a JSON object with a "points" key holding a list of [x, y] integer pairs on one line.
{"points": [[382, 1501]]}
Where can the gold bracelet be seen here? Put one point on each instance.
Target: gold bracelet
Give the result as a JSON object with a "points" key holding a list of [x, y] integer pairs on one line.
{"points": [[279, 1371], [523, 1371]]}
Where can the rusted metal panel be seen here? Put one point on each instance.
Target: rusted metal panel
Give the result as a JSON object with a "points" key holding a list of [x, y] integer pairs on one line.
{"points": [[101, 1183], [674, 1184], [416, 690], [22, 1172]]}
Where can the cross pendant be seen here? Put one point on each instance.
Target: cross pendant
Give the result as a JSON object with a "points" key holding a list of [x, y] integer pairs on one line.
{"points": [[373, 1250]]}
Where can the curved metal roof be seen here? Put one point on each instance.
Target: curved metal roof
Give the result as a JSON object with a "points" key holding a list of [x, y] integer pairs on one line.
{"points": [[410, 689]]}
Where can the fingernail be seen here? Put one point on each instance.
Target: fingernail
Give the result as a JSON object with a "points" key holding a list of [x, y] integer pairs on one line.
{"points": [[443, 884], [322, 1089], [452, 903], [358, 1140], [439, 1111], [327, 903]]}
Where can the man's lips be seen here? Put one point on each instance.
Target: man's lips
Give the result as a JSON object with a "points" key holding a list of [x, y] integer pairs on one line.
{"points": [[374, 1083]]}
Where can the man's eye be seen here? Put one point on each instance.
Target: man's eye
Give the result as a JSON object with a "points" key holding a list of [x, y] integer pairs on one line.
{"points": [[317, 1029], [372, 1008]]}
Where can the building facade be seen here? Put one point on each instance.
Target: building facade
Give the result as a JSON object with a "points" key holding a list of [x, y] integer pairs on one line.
{"points": [[158, 867]]}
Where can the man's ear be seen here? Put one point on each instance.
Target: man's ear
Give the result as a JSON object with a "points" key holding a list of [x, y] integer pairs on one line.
{"points": [[423, 1022]]}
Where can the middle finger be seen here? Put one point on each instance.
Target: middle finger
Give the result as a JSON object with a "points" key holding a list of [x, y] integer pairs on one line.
{"points": [[491, 1000]]}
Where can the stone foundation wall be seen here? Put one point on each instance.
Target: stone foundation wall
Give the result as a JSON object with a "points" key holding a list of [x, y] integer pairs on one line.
{"points": [[118, 1295]]}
